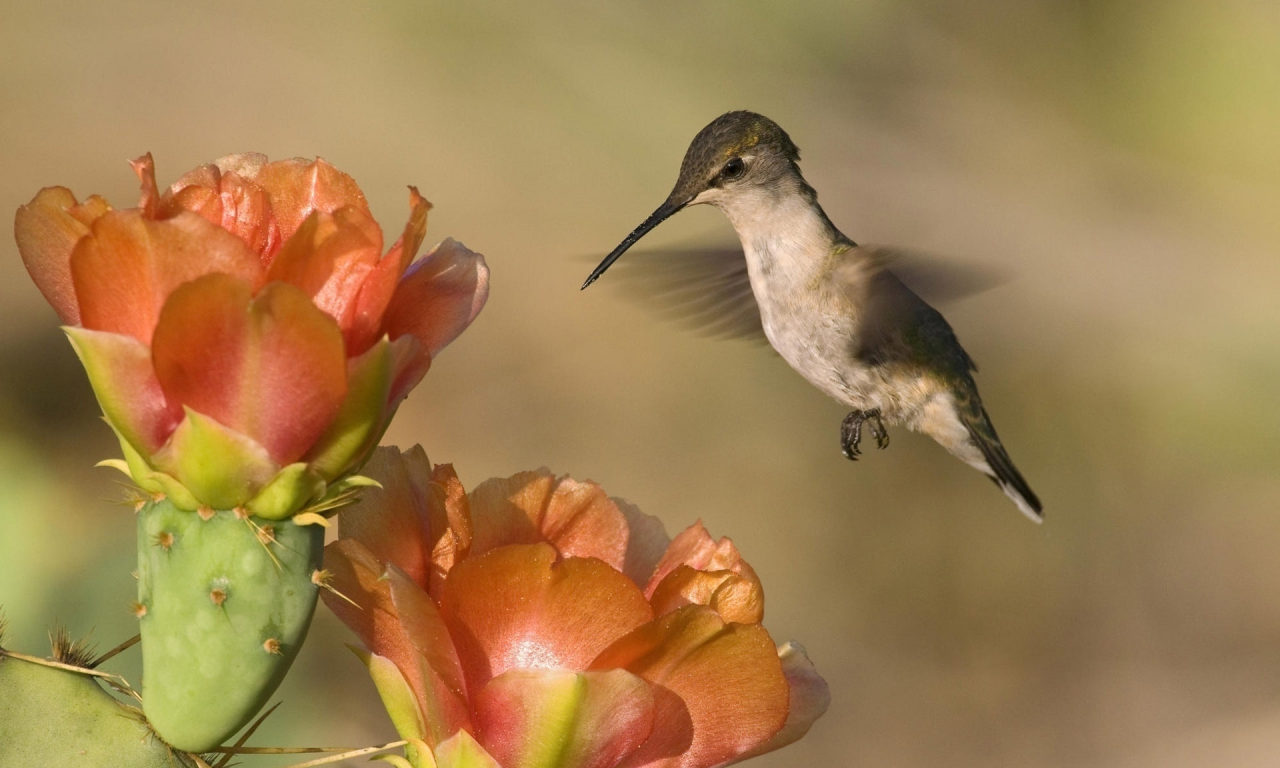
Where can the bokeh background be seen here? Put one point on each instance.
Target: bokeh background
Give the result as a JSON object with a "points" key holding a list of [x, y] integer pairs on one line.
{"points": [[1115, 161]]}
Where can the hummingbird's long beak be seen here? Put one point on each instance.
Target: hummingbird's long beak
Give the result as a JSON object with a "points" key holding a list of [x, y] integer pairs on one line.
{"points": [[664, 212]]}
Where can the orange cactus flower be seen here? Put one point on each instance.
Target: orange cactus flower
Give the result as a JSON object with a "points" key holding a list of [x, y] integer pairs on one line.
{"points": [[244, 332], [542, 624]]}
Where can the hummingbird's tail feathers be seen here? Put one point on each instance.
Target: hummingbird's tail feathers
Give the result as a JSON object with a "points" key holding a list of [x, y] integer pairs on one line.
{"points": [[1001, 470], [957, 420]]}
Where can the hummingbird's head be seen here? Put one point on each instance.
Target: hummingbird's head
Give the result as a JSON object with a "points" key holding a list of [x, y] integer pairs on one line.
{"points": [[736, 152], [738, 155]]}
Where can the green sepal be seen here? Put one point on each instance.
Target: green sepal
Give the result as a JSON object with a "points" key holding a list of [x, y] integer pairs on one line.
{"points": [[360, 419], [288, 491], [420, 754], [220, 466], [356, 481], [150, 480], [551, 723], [119, 370], [120, 465], [462, 751], [397, 696]]}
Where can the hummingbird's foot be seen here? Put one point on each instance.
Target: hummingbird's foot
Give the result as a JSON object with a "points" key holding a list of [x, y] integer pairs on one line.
{"points": [[851, 432], [851, 435], [877, 429]]}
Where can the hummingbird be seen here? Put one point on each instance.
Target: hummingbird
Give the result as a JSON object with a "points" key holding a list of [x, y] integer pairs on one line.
{"points": [[834, 310]]}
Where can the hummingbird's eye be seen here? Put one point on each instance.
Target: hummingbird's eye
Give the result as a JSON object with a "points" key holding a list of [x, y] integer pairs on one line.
{"points": [[733, 169]]}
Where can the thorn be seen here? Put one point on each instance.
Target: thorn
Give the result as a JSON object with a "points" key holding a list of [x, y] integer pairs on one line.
{"points": [[76, 653], [241, 513], [266, 536], [218, 595], [272, 646], [225, 760], [134, 574], [321, 578], [139, 609], [164, 540], [205, 513], [127, 644]]}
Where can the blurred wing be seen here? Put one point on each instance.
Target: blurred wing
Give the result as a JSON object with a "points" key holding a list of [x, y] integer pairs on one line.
{"points": [[934, 279], [705, 289], [899, 325], [708, 291]]}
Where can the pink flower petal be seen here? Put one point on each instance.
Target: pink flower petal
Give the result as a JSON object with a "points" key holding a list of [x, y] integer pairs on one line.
{"points": [[696, 548], [392, 520], [735, 598], [451, 514], [409, 363], [578, 519], [507, 510], [47, 229], [224, 194], [418, 520], [647, 542], [516, 607], [246, 165], [145, 168], [582, 521], [361, 599], [297, 187], [329, 258], [271, 367], [563, 719], [808, 700], [721, 691], [375, 295], [444, 699], [128, 265], [439, 296]]}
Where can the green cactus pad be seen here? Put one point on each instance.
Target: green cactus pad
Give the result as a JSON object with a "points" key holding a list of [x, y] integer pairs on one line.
{"points": [[224, 605], [57, 717]]}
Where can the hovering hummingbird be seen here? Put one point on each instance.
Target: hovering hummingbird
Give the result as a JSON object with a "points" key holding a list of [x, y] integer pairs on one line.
{"points": [[834, 310]]}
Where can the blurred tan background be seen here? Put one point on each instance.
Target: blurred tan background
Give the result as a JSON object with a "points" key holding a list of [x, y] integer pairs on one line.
{"points": [[1117, 160]]}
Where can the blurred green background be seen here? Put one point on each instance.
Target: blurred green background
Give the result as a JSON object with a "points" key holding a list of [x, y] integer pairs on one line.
{"points": [[1117, 160]]}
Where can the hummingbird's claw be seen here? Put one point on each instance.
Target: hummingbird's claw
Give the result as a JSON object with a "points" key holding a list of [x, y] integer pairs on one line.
{"points": [[851, 432], [877, 430]]}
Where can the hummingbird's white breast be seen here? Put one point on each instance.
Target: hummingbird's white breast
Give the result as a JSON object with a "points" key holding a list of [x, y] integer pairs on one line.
{"points": [[810, 317]]}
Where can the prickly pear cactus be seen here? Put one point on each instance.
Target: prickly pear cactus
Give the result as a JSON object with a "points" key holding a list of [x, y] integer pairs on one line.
{"points": [[58, 717], [224, 602]]}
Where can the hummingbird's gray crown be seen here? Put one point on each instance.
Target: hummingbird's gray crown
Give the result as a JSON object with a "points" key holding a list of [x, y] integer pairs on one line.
{"points": [[731, 135]]}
